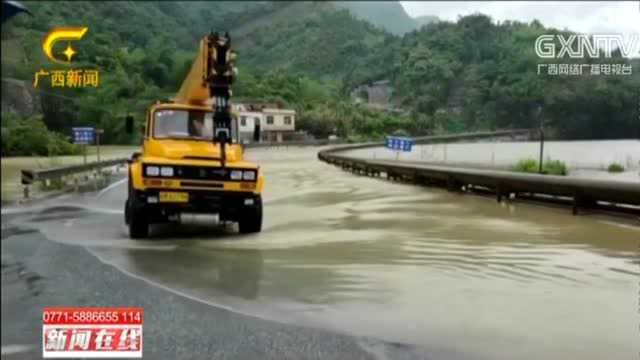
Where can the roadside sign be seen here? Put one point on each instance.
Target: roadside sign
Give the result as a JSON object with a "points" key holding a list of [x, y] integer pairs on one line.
{"points": [[398, 143], [83, 135]]}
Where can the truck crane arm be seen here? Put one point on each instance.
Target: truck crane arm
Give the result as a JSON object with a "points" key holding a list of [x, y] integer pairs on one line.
{"points": [[209, 82]]}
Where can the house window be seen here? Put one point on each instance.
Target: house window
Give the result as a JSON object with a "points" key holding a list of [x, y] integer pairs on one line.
{"points": [[287, 120], [243, 121], [269, 120]]}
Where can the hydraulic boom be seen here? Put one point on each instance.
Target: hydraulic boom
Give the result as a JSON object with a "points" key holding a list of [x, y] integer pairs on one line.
{"points": [[209, 83]]}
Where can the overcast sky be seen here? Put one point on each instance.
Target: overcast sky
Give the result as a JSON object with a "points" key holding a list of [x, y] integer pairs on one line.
{"points": [[603, 17]]}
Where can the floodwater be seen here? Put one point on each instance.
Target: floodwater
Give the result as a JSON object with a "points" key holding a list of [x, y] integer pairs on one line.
{"points": [[583, 158], [458, 275]]}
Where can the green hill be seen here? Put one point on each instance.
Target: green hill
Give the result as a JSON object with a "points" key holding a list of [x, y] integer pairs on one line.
{"points": [[387, 15], [304, 44], [469, 75], [144, 49]]}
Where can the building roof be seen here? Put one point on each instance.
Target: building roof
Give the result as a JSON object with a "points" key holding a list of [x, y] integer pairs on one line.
{"points": [[279, 111], [250, 113]]}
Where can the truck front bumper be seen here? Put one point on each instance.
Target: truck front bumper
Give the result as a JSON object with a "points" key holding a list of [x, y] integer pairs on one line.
{"points": [[229, 205]]}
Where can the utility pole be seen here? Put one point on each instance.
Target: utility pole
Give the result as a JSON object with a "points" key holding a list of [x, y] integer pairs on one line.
{"points": [[98, 132], [539, 114]]}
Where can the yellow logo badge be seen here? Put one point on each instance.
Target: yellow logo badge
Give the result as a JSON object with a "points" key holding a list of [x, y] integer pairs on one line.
{"points": [[60, 34], [72, 78]]}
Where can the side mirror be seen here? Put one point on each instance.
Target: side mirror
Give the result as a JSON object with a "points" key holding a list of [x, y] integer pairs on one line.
{"points": [[129, 124]]}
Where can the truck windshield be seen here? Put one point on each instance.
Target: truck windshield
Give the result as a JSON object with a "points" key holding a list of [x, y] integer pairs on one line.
{"points": [[173, 123]]}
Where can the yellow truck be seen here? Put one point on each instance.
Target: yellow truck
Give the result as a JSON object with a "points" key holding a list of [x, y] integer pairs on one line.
{"points": [[191, 165]]}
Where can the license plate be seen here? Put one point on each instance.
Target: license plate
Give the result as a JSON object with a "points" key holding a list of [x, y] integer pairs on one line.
{"points": [[170, 196]]}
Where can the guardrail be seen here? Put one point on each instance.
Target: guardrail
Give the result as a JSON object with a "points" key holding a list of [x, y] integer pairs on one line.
{"points": [[580, 193], [291, 143], [418, 140], [31, 176]]}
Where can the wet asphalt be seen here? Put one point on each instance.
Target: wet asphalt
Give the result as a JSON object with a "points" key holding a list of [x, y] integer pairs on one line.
{"points": [[37, 272]]}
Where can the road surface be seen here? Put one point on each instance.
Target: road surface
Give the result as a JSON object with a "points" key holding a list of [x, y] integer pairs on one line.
{"points": [[347, 267]]}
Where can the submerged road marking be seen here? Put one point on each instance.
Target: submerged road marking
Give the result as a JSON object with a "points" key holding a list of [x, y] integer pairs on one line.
{"points": [[108, 188], [15, 349]]}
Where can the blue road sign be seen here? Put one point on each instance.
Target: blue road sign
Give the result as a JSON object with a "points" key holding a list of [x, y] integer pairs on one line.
{"points": [[398, 143], [83, 135]]}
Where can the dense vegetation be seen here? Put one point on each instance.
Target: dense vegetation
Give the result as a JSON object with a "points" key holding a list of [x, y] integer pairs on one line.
{"points": [[325, 44], [470, 75], [30, 136], [484, 75]]}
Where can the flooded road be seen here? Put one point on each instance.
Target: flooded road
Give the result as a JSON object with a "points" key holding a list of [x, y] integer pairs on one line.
{"points": [[588, 159], [454, 274]]}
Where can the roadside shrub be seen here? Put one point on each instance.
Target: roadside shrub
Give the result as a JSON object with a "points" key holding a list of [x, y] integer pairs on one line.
{"points": [[53, 184], [526, 165], [554, 167], [30, 137], [61, 145], [550, 167], [615, 168]]}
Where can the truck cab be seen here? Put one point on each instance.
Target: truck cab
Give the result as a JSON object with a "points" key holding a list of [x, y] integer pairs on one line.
{"points": [[181, 174]]}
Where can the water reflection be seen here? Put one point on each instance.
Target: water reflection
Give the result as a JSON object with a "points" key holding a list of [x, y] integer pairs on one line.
{"points": [[232, 272]]}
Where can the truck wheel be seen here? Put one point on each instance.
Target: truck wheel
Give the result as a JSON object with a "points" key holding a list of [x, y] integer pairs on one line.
{"points": [[138, 226], [137, 221], [251, 220], [127, 203], [127, 215]]}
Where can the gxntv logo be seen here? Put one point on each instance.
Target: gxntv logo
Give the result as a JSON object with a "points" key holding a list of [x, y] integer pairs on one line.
{"points": [[577, 46]]}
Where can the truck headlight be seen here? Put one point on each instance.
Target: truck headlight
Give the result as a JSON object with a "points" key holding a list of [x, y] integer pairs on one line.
{"points": [[166, 171], [248, 175], [153, 171], [236, 174]]}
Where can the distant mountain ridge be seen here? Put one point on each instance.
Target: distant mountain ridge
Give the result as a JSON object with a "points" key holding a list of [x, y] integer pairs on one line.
{"points": [[388, 15], [425, 20]]}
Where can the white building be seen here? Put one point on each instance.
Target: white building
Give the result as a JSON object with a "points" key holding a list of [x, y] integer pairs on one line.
{"points": [[278, 124], [249, 123], [270, 124]]}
